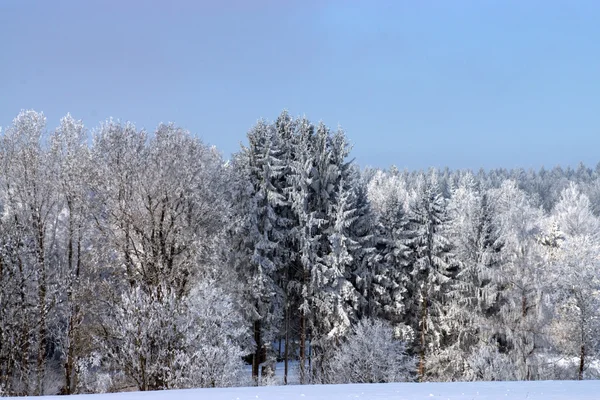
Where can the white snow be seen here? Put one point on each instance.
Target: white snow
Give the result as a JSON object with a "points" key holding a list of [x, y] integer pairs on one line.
{"points": [[538, 390]]}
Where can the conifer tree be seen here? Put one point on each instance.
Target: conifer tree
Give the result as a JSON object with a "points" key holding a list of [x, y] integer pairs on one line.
{"points": [[391, 280], [472, 297], [433, 267], [260, 168]]}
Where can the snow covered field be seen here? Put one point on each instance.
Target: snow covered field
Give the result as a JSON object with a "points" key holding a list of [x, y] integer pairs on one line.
{"points": [[538, 390]]}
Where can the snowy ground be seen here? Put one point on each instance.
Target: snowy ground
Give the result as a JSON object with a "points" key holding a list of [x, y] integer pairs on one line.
{"points": [[540, 390]]}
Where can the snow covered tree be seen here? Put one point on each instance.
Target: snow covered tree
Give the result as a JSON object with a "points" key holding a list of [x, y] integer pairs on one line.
{"points": [[390, 275], [576, 279], [472, 296], [487, 363], [371, 353], [333, 300], [161, 216], [362, 231], [145, 261], [574, 256], [216, 339], [523, 313], [261, 233], [71, 160], [299, 195], [573, 214], [163, 341], [30, 195], [287, 139], [326, 231], [433, 267]]}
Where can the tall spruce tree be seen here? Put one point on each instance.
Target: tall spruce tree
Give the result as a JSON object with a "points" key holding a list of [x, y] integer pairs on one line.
{"points": [[433, 267], [390, 276], [472, 295]]}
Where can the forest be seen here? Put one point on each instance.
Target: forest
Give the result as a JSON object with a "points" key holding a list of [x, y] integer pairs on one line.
{"points": [[135, 260]]}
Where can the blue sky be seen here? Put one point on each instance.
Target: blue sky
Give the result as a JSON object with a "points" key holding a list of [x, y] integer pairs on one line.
{"points": [[464, 84]]}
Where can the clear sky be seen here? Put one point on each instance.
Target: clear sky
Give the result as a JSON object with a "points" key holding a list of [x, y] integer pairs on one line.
{"points": [[464, 84]]}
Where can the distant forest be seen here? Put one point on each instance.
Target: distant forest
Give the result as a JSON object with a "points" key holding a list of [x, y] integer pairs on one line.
{"points": [[144, 261]]}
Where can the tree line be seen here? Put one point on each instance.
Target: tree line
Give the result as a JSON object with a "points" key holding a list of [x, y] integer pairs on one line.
{"points": [[136, 260]]}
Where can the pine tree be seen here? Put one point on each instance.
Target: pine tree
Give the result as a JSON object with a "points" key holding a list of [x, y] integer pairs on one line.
{"points": [[390, 276], [300, 200], [433, 267], [286, 138], [472, 297], [362, 231], [323, 199], [260, 169]]}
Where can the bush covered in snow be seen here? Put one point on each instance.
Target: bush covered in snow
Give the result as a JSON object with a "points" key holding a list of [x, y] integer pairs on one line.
{"points": [[370, 354]]}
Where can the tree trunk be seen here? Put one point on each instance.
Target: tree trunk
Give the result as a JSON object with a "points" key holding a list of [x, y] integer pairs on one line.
{"points": [[25, 341], [581, 362], [368, 296], [279, 347], [70, 332], [287, 344], [69, 363], [424, 311], [257, 352], [144, 385], [302, 347], [42, 330], [310, 352], [303, 332]]}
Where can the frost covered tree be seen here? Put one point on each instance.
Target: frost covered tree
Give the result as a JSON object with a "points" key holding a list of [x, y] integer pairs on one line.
{"points": [[390, 275], [301, 168], [487, 363], [574, 257], [326, 230], [362, 231], [287, 138], [261, 232], [573, 213], [145, 261], [333, 300], [371, 353], [161, 221], [523, 312], [576, 279], [297, 234], [71, 160], [30, 197], [433, 264], [473, 293], [216, 339], [196, 340]]}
